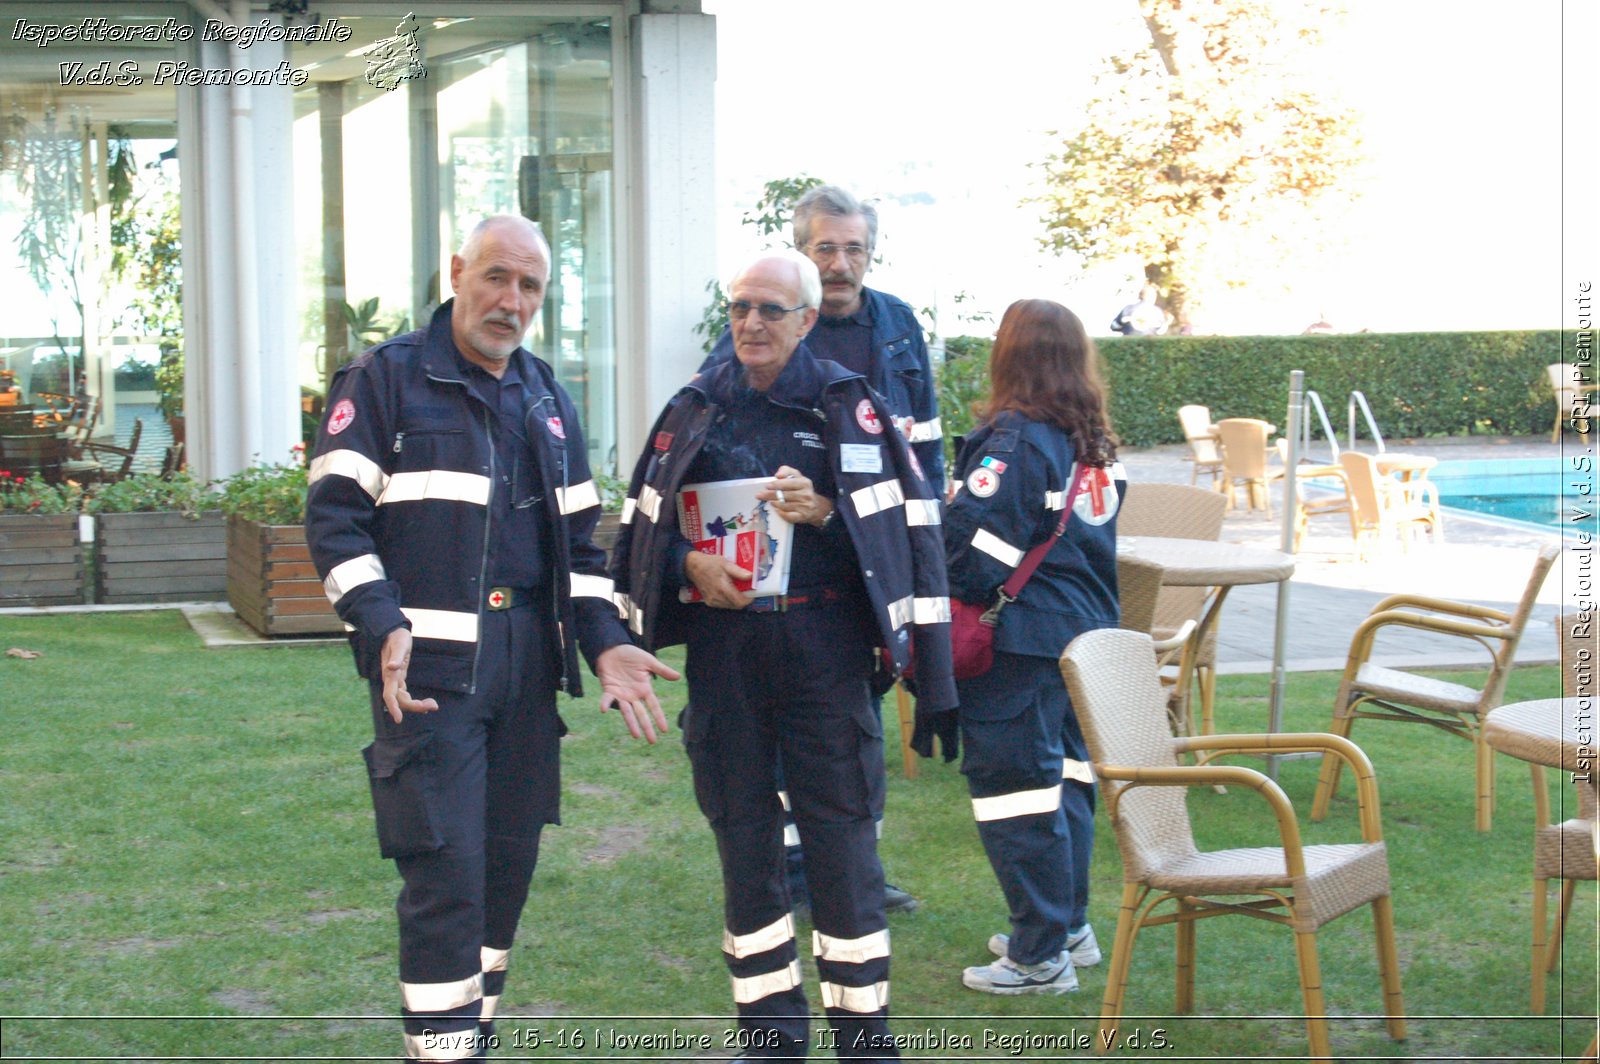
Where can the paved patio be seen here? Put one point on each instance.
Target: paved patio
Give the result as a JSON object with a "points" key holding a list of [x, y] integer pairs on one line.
{"points": [[1482, 560]]}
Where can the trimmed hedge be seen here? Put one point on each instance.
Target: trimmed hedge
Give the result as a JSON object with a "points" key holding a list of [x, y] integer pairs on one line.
{"points": [[1418, 384]]}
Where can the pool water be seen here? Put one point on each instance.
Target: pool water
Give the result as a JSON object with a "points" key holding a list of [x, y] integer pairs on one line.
{"points": [[1529, 490]]}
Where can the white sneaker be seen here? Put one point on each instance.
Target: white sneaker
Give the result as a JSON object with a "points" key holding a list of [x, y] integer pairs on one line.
{"points": [[1084, 949], [1006, 976]]}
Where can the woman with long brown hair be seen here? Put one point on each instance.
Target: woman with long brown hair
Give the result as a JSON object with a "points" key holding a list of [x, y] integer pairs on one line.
{"points": [[1045, 439]]}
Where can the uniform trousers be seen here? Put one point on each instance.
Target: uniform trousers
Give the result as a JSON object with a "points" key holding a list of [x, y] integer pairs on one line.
{"points": [[1032, 793], [761, 686], [461, 796]]}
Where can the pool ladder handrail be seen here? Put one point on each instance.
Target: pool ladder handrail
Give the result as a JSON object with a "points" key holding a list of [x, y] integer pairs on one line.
{"points": [[1358, 399], [1314, 402]]}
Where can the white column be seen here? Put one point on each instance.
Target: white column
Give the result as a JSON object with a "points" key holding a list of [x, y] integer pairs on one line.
{"points": [[671, 192], [241, 397]]}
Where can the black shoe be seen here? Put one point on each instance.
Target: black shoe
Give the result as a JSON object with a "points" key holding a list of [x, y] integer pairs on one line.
{"points": [[896, 900]]}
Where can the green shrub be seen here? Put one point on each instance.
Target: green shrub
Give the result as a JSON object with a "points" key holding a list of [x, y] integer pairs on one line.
{"points": [[31, 495], [1418, 384], [270, 494], [149, 493]]}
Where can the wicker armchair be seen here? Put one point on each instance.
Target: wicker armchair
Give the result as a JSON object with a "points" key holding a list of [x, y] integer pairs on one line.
{"points": [[1372, 692], [1381, 506], [1244, 459], [1564, 851], [1122, 710], [1203, 449], [1574, 395], [1179, 511]]}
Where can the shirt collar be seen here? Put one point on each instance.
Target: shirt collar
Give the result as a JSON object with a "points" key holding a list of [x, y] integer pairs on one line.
{"points": [[861, 316]]}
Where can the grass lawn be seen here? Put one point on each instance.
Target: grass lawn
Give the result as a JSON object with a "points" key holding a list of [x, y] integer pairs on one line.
{"points": [[188, 868]]}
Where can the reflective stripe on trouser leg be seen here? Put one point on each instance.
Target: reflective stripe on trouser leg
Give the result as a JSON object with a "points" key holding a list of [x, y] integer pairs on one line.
{"points": [[492, 781], [832, 757], [1036, 826]]}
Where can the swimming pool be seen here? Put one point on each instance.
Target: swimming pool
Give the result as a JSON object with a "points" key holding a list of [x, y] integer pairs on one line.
{"points": [[1538, 491]]}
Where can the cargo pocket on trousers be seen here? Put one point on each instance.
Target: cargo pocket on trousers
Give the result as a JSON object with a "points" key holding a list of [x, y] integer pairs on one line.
{"points": [[400, 770], [869, 726]]}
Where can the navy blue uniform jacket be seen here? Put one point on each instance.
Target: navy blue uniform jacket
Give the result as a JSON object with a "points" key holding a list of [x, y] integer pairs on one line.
{"points": [[891, 515], [397, 514]]}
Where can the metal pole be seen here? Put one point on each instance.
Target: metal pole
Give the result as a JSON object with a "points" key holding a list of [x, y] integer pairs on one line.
{"points": [[1291, 506]]}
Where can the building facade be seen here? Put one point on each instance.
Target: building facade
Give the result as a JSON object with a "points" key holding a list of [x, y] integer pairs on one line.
{"points": [[318, 163]]}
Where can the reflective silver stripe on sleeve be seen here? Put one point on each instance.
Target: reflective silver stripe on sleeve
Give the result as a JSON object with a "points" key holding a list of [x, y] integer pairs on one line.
{"points": [[923, 431], [352, 574], [650, 503], [577, 497], [922, 512], [783, 799], [436, 485], [933, 610], [493, 960], [442, 624], [1018, 803], [850, 950], [860, 999], [900, 613], [1081, 771], [877, 497], [997, 548], [442, 997], [750, 990], [629, 505], [1055, 500], [347, 463], [772, 936], [791, 836], [444, 1045], [600, 587], [624, 604]]}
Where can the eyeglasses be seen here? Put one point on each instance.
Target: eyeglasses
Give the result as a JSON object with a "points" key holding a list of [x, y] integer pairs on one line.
{"points": [[853, 252], [739, 309]]}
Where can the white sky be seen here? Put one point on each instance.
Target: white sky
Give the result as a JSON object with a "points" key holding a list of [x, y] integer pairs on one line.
{"points": [[938, 115]]}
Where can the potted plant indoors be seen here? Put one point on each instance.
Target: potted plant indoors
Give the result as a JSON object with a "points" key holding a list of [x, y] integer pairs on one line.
{"points": [[41, 558], [272, 584], [158, 540]]}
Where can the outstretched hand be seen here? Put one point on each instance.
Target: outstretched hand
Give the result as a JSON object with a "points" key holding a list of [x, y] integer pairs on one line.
{"points": [[624, 672], [396, 660]]}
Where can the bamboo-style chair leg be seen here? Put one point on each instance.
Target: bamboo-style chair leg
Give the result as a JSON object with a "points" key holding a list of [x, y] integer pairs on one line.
{"points": [[1394, 1008], [1184, 996], [1485, 779], [1553, 948], [1305, 948], [1121, 958], [1208, 698], [1540, 907]]}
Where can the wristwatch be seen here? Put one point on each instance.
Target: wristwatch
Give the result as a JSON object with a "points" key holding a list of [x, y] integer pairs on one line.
{"points": [[828, 518]]}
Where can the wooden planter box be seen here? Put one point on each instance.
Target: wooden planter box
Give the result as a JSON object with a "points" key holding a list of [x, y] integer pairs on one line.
{"points": [[160, 557], [41, 560], [272, 585]]}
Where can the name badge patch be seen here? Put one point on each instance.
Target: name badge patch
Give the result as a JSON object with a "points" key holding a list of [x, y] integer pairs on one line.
{"points": [[861, 457]]}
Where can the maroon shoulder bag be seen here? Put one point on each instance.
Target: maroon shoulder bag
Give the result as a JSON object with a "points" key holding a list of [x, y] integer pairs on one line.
{"points": [[972, 626]]}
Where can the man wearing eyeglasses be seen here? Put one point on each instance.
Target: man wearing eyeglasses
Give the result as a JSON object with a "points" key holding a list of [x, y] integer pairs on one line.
{"points": [[788, 676], [871, 332], [876, 335]]}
